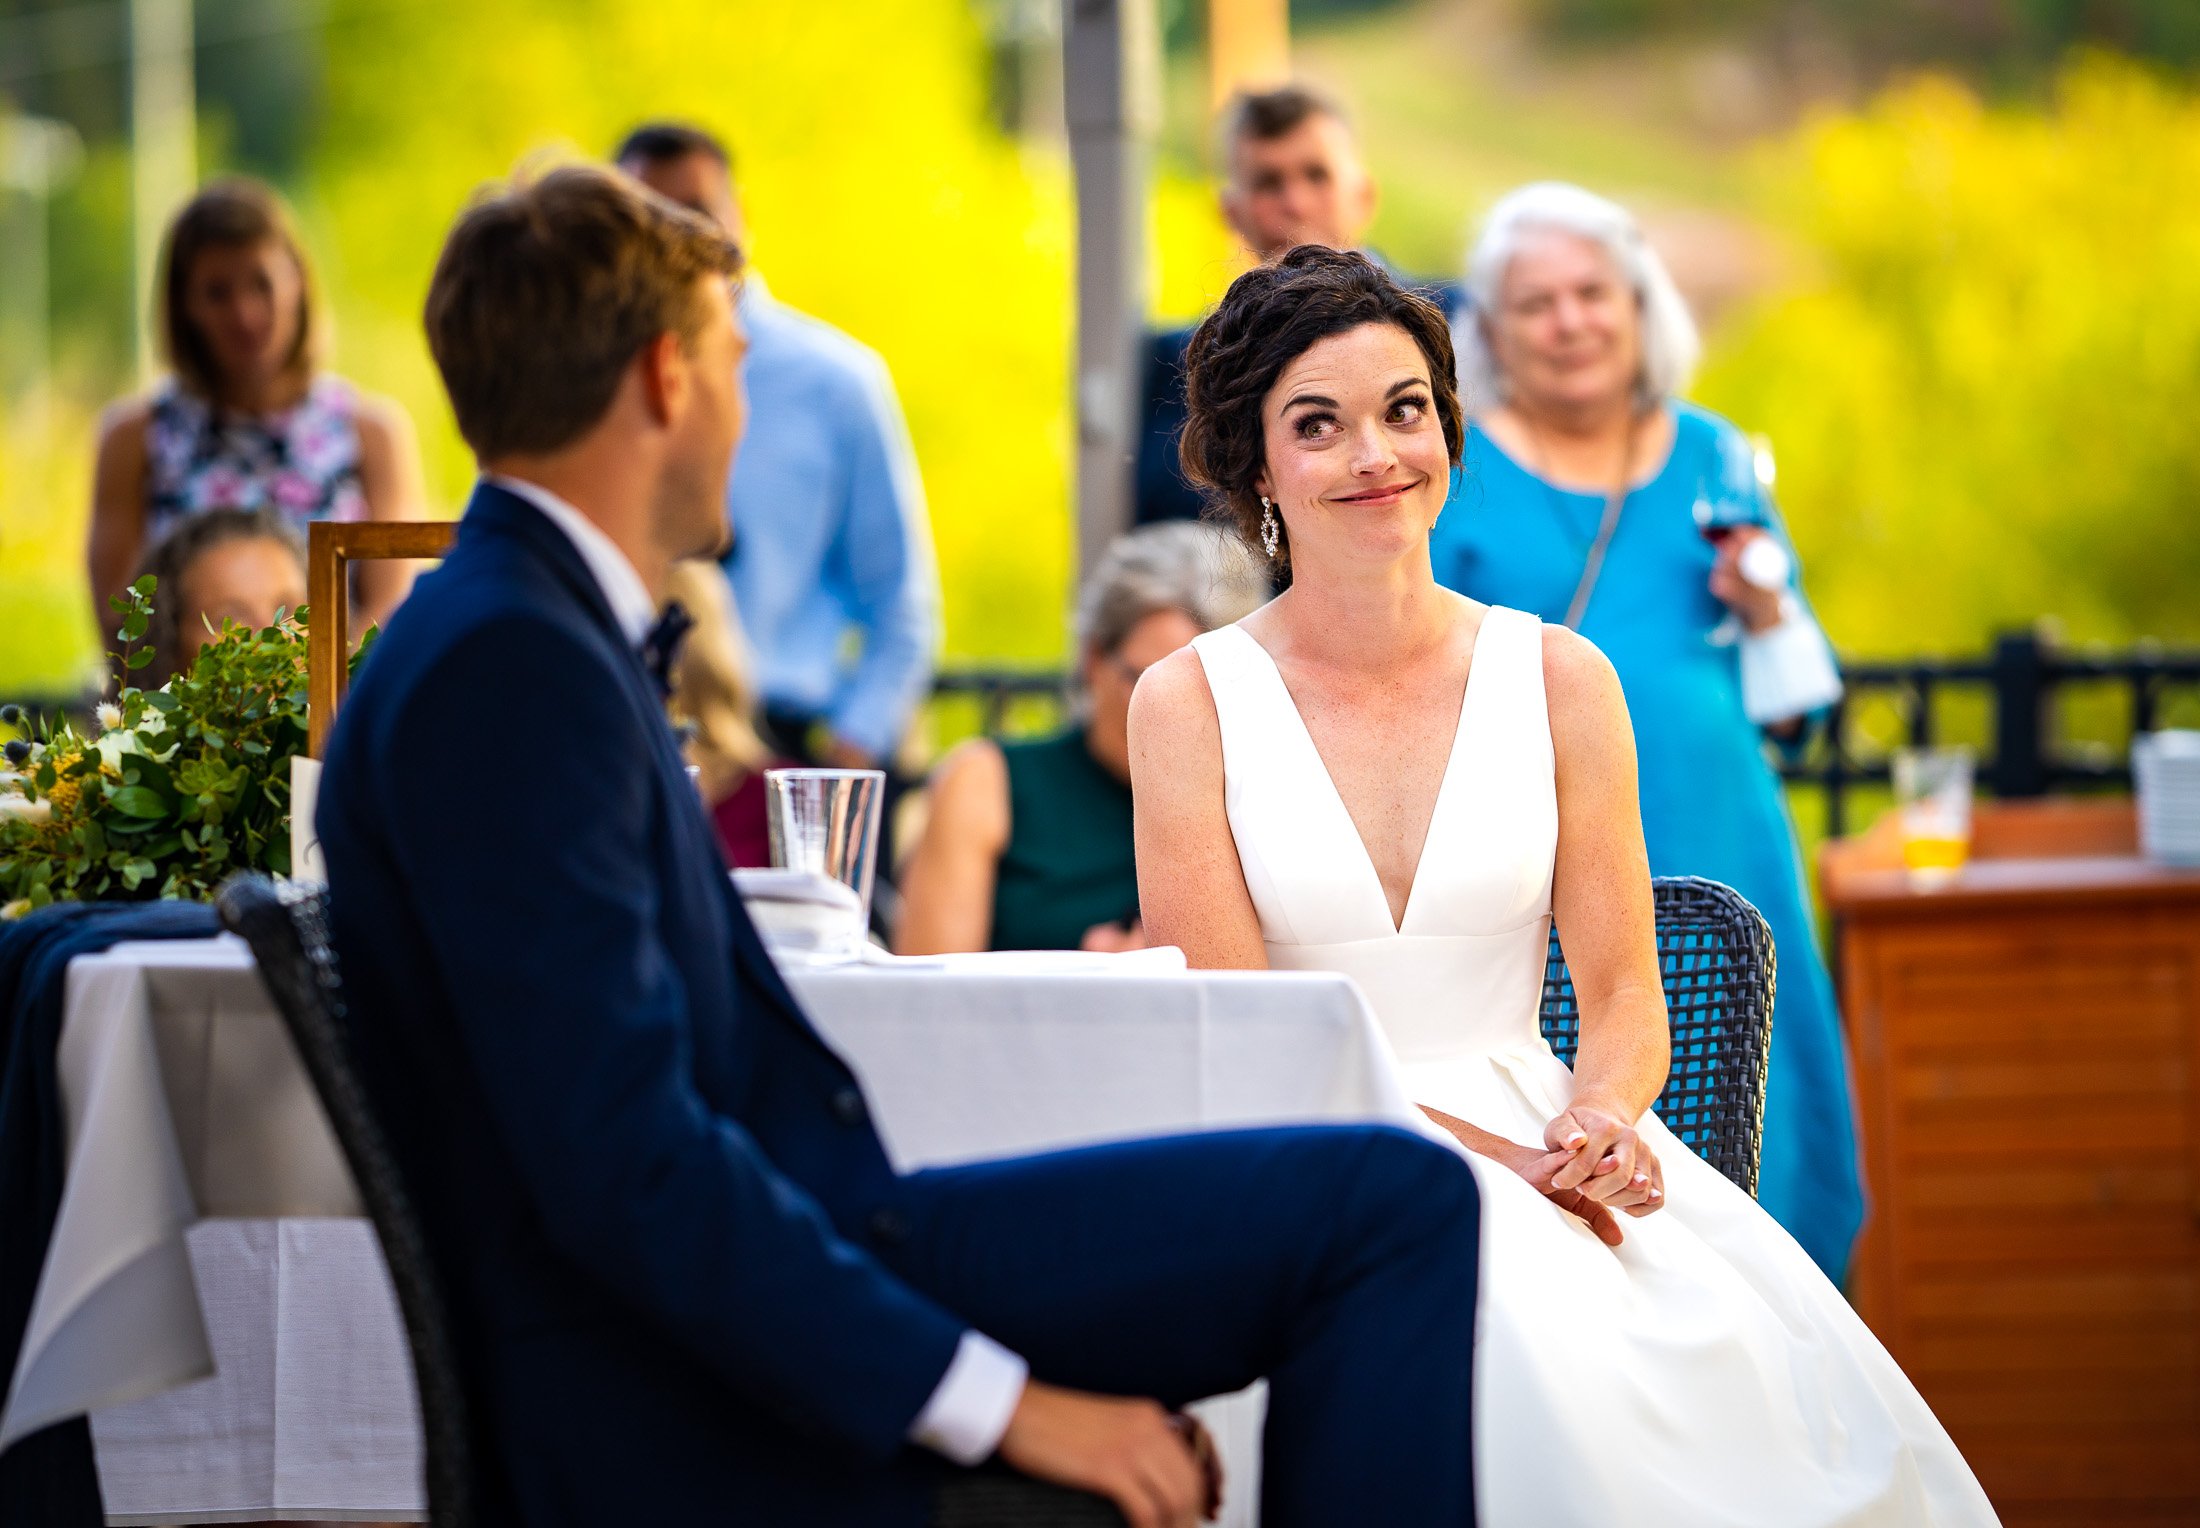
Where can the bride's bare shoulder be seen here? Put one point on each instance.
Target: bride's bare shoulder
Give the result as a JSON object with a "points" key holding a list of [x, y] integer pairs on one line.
{"points": [[1582, 690], [1172, 700], [1572, 661]]}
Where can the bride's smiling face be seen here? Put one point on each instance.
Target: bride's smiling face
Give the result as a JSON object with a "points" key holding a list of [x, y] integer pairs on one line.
{"points": [[1356, 459]]}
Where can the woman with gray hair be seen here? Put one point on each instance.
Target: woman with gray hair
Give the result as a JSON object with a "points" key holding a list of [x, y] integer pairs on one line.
{"points": [[1028, 844], [1591, 494]]}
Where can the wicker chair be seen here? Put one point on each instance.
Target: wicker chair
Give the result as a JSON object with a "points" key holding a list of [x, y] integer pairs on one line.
{"points": [[286, 925], [1715, 954]]}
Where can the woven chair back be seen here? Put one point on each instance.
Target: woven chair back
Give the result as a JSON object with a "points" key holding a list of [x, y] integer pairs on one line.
{"points": [[1715, 956], [287, 928]]}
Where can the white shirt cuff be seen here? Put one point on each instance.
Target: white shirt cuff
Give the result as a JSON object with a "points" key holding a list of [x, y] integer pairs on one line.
{"points": [[971, 1405]]}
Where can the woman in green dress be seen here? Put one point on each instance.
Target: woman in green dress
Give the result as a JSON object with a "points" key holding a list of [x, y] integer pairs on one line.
{"points": [[1027, 845]]}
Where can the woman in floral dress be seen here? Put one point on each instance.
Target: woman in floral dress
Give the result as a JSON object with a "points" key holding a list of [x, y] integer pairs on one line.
{"points": [[246, 418]]}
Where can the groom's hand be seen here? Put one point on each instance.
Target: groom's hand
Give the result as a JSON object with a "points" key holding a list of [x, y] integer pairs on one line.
{"points": [[1541, 1167], [1130, 1451]]}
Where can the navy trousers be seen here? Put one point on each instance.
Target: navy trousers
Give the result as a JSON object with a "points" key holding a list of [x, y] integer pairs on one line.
{"points": [[1339, 1262]]}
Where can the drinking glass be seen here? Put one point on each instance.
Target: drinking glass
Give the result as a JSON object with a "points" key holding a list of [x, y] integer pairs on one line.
{"points": [[826, 822], [1932, 790]]}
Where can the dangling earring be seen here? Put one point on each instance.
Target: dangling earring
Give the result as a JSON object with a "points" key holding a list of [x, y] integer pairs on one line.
{"points": [[1271, 529]]}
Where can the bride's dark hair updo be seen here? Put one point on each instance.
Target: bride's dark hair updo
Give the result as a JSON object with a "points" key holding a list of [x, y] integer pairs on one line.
{"points": [[1269, 318]]}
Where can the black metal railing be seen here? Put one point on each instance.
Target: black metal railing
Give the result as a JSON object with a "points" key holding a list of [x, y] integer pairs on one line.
{"points": [[2013, 696], [2021, 687], [2008, 704]]}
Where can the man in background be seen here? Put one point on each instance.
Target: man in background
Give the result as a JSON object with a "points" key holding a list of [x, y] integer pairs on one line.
{"points": [[831, 561], [1291, 175]]}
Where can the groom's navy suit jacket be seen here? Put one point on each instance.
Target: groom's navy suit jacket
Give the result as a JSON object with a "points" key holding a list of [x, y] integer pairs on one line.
{"points": [[651, 1186]]}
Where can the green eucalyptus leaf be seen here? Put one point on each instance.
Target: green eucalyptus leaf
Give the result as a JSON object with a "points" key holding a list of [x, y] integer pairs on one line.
{"points": [[163, 702], [138, 801], [145, 586], [151, 773], [138, 659], [133, 626]]}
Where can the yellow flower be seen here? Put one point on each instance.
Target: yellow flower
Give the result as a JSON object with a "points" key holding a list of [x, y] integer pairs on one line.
{"points": [[15, 909], [64, 795]]}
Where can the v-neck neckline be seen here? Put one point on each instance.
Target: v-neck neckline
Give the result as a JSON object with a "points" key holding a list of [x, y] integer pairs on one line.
{"points": [[1397, 925]]}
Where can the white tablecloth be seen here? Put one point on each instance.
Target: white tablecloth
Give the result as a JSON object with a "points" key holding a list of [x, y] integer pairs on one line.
{"points": [[185, 1104]]}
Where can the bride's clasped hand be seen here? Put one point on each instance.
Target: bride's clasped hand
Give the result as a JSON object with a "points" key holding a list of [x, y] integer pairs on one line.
{"points": [[1591, 1163]]}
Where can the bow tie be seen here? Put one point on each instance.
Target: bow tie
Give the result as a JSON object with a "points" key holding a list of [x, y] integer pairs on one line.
{"points": [[662, 645]]}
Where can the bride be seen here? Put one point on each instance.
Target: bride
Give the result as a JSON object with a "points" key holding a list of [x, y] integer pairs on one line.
{"points": [[1373, 775]]}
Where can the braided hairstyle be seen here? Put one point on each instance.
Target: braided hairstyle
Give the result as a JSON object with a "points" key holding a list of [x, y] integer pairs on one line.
{"points": [[1269, 318]]}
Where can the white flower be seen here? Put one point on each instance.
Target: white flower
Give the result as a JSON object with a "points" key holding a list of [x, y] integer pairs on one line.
{"points": [[110, 715], [14, 910]]}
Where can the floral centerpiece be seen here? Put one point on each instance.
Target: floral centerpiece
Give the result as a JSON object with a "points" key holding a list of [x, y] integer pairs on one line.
{"points": [[178, 788]]}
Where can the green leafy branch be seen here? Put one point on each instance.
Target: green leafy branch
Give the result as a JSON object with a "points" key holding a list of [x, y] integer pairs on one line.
{"points": [[179, 786]]}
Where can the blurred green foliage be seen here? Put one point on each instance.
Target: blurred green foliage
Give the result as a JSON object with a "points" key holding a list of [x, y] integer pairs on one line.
{"points": [[1978, 367], [878, 197], [1982, 392], [2003, 40]]}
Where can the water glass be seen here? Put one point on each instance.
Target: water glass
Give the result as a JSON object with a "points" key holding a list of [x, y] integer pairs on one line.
{"points": [[826, 822], [1932, 791]]}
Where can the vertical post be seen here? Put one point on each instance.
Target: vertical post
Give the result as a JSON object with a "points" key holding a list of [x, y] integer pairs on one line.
{"points": [[37, 156], [163, 143], [1248, 46], [2020, 715], [1109, 91], [328, 614], [1837, 769]]}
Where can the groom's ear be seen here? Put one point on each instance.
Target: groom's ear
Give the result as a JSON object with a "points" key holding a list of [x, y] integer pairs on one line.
{"points": [[663, 373]]}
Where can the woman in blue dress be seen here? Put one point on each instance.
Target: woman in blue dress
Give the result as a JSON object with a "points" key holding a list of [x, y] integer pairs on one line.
{"points": [[1591, 495]]}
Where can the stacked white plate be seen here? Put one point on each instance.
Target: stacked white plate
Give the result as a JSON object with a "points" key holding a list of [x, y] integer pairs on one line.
{"points": [[2165, 769]]}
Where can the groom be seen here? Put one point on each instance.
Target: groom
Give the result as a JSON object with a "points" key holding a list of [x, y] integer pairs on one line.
{"points": [[687, 1284]]}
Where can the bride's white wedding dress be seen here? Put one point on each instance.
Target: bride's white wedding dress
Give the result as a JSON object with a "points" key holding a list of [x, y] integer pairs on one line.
{"points": [[1702, 1374]]}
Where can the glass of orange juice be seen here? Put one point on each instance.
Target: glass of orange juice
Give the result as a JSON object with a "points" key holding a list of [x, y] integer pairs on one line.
{"points": [[1932, 791]]}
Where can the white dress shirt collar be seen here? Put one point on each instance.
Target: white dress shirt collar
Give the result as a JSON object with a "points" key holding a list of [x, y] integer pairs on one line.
{"points": [[622, 587]]}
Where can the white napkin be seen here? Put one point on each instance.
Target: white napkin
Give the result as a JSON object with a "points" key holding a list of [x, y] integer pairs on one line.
{"points": [[798, 912], [1788, 669]]}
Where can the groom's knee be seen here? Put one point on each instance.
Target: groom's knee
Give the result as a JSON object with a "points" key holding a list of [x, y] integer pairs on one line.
{"points": [[1411, 1185]]}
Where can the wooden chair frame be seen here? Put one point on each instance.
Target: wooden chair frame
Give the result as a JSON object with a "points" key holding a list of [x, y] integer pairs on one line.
{"points": [[332, 546]]}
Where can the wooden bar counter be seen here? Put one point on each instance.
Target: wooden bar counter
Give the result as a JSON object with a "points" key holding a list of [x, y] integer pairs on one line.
{"points": [[2027, 1047]]}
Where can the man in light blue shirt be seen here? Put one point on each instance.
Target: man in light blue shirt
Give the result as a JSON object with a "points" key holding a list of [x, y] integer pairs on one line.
{"points": [[831, 559]]}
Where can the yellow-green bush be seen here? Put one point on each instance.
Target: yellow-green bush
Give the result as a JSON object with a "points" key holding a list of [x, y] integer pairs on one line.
{"points": [[1984, 392], [879, 198]]}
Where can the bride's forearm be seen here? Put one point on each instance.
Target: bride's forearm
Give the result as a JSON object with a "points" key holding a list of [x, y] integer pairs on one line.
{"points": [[1626, 1051]]}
